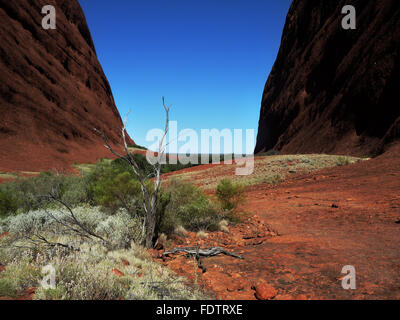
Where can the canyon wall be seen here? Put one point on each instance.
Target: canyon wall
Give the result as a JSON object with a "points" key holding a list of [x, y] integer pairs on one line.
{"points": [[53, 91], [333, 90]]}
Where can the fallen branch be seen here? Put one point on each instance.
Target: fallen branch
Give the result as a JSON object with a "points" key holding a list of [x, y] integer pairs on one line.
{"points": [[198, 253], [209, 252]]}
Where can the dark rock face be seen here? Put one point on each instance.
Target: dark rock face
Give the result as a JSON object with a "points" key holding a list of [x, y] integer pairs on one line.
{"points": [[53, 91], [333, 90]]}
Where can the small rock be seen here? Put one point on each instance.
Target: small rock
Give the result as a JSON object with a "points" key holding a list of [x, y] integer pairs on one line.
{"points": [[156, 253], [117, 272], [125, 262], [4, 234], [31, 290], [265, 291]]}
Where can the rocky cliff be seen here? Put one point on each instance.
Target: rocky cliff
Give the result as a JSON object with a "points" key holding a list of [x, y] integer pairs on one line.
{"points": [[333, 90], [53, 91]]}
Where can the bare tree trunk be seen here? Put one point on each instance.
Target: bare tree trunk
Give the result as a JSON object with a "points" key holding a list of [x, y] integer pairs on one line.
{"points": [[150, 228], [150, 198]]}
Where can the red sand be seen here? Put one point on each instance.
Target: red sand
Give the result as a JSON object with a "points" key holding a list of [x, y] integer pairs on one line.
{"points": [[316, 239]]}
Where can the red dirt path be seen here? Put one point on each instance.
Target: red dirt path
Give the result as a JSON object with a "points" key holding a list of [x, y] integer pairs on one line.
{"points": [[316, 239]]}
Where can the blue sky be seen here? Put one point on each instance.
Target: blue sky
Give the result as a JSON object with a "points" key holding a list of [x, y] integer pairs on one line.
{"points": [[210, 59]]}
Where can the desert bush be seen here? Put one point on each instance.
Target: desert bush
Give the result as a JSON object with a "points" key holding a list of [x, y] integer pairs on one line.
{"points": [[342, 161], [116, 191], [270, 152], [202, 234], [26, 194], [122, 166], [273, 179], [120, 229], [79, 279], [21, 274], [180, 231], [223, 226], [230, 194], [74, 190], [7, 288], [189, 208], [9, 203], [30, 223], [88, 276]]}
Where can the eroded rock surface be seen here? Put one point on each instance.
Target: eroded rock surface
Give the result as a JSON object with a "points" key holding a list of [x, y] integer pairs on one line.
{"points": [[333, 90], [53, 91]]}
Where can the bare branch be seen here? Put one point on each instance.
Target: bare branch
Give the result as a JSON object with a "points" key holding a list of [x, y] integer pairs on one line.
{"points": [[150, 198], [209, 252], [75, 220]]}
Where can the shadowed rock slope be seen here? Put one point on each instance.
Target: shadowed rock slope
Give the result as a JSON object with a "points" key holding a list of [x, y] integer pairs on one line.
{"points": [[53, 91], [333, 90]]}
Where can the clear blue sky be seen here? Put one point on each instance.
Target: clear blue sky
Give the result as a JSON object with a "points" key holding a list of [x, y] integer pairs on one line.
{"points": [[209, 58]]}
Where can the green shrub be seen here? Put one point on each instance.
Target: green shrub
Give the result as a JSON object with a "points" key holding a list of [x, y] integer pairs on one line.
{"points": [[137, 146], [119, 229], [342, 161], [9, 203], [74, 190], [271, 152], [89, 276], [118, 190], [273, 179], [26, 194], [230, 195], [189, 208], [23, 274], [7, 288]]}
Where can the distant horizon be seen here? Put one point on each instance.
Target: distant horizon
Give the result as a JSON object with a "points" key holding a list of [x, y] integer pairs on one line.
{"points": [[210, 60]]}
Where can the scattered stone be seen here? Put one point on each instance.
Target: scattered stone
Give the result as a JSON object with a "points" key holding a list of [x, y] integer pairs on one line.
{"points": [[4, 234], [117, 272], [265, 291], [31, 290], [125, 262], [236, 285]]}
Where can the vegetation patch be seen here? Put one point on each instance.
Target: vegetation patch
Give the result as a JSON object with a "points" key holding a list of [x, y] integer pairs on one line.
{"points": [[85, 270], [271, 169]]}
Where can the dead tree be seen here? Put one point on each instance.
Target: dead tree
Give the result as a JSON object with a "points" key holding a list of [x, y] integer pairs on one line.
{"points": [[202, 253], [150, 193]]}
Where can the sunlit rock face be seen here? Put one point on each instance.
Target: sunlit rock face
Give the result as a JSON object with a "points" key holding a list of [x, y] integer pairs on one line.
{"points": [[53, 91]]}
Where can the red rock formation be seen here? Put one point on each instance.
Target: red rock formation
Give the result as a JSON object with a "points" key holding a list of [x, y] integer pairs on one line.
{"points": [[53, 91], [333, 90]]}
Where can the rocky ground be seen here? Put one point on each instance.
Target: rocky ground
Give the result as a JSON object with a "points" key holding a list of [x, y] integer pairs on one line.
{"points": [[303, 231], [300, 233]]}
